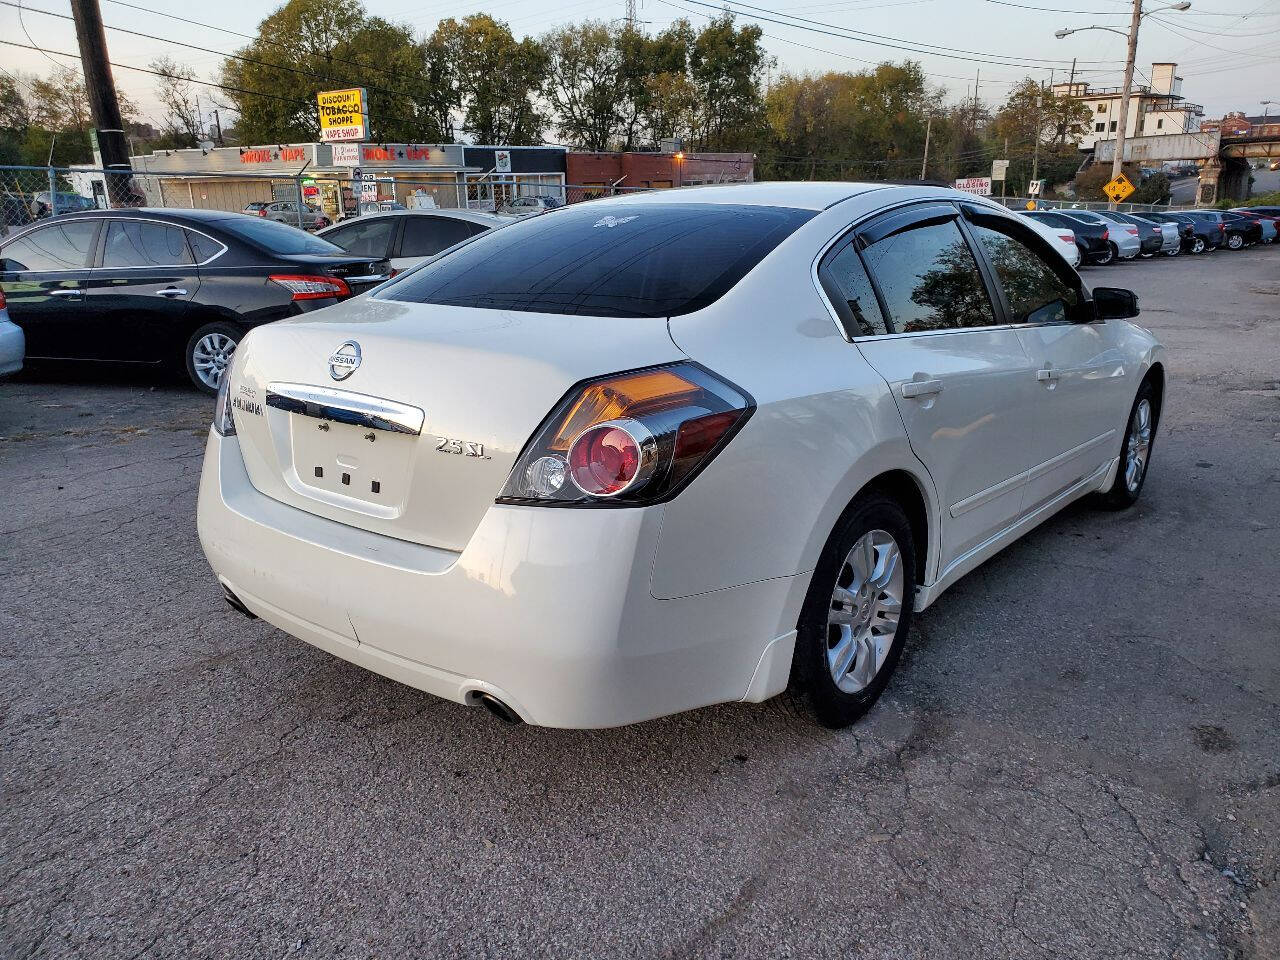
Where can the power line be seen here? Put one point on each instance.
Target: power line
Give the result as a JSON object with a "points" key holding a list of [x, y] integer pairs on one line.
{"points": [[887, 41]]}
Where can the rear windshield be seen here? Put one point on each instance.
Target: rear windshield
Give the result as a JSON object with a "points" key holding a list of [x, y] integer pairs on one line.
{"points": [[606, 259], [276, 237]]}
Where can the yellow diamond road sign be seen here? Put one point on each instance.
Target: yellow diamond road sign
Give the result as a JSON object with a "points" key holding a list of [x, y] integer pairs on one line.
{"points": [[1119, 188]]}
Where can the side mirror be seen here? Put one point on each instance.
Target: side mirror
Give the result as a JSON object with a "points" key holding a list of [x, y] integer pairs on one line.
{"points": [[1114, 303]]}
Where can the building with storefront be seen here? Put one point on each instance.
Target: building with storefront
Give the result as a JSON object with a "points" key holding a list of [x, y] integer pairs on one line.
{"points": [[338, 177], [659, 170]]}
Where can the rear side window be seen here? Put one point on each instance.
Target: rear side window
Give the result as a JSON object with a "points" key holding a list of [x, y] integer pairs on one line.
{"points": [[847, 284], [273, 237], [930, 280], [426, 235], [59, 246], [141, 243], [607, 259], [1036, 294], [366, 238]]}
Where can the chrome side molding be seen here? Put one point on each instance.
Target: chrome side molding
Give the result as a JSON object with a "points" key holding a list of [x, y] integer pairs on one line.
{"points": [[342, 406]]}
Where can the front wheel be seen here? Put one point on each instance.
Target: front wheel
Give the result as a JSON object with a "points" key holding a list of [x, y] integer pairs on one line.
{"points": [[1198, 245], [1135, 455], [1235, 241], [856, 615], [208, 354]]}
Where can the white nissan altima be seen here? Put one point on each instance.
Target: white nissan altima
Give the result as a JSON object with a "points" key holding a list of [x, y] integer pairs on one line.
{"points": [[640, 455]]}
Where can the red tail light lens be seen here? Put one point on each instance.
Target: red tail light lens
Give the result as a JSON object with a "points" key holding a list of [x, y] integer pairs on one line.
{"points": [[1067, 237], [262, 211], [628, 439], [3, 303], [1106, 234], [1133, 230], [312, 288]]}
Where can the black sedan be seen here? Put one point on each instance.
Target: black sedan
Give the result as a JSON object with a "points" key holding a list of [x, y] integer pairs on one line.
{"points": [[1091, 238], [167, 286]]}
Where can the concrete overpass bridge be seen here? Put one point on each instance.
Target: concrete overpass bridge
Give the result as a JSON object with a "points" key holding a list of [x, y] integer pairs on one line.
{"points": [[1223, 156]]}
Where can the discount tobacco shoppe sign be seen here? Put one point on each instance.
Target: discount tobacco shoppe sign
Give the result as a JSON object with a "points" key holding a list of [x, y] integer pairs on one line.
{"points": [[344, 115]]}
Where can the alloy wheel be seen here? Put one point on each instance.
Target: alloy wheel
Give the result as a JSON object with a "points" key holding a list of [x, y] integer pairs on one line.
{"points": [[211, 358], [865, 606], [1138, 448], [1197, 245], [1235, 241]]}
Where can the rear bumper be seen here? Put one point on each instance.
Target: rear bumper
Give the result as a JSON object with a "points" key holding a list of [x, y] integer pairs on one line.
{"points": [[549, 610]]}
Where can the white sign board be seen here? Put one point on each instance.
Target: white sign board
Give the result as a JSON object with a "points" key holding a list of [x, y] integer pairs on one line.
{"points": [[368, 187], [1034, 187], [346, 154], [976, 185], [998, 169], [502, 161]]}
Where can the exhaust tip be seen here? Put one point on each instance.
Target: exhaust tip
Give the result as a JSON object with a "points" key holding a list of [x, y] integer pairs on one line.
{"points": [[497, 707], [236, 603]]}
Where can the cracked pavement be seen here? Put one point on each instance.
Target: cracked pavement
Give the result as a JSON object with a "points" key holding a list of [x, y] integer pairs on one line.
{"points": [[1079, 756]]}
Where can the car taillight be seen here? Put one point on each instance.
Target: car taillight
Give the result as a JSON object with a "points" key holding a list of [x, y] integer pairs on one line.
{"points": [[3, 304], [262, 212], [1133, 230], [628, 438], [1222, 227], [1067, 237], [1106, 233], [311, 288]]}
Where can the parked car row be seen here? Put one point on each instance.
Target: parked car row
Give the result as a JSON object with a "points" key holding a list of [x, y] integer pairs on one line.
{"points": [[1106, 236]]}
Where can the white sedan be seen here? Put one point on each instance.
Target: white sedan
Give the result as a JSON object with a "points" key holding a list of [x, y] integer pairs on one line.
{"points": [[641, 455]]}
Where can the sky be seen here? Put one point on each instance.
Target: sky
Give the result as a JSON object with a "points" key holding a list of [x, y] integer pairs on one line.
{"points": [[1225, 49]]}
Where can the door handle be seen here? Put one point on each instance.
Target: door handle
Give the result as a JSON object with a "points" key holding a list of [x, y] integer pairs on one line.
{"points": [[921, 388], [67, 292], [171, 292], [1048, 373]]}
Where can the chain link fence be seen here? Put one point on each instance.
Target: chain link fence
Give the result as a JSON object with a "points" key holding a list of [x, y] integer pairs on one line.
{"points": [[309, 200]]}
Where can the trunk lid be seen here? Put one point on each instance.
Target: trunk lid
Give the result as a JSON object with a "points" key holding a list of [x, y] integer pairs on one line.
{"points": [[418, 437], [361, 274]]}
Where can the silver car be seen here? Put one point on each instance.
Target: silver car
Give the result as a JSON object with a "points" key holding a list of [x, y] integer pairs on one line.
{"points": [[1123, 236], [286, 211], [13, 344]]}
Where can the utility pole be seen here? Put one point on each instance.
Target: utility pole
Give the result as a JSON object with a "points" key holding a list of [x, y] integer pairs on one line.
{"points": [[928, 129], [1035, 152], [99, 85], [631, 14], [973, 125], [217, 125], [1117, 164]]}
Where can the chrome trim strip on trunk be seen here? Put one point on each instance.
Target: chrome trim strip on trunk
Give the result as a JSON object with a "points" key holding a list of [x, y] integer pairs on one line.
{"points": [[341, 406]]}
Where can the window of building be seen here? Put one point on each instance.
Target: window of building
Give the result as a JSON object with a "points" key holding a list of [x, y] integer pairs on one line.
{"points": [[1160, 124], [1112, 127], [1102, 108], [1099, 126]]}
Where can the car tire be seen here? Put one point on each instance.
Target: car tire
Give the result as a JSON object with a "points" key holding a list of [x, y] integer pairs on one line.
{"points": [[208, 354], [1135, 454], [1174, 252], [1198, 245], [1146, 256], [869, 558], [1235, 241], [1107, 256]]}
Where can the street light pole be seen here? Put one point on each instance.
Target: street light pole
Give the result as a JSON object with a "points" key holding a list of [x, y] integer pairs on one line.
{"points": [[1117, 164]]}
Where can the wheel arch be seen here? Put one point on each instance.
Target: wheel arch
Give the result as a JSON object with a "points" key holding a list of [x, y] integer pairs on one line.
{"points": [[908, 491]]}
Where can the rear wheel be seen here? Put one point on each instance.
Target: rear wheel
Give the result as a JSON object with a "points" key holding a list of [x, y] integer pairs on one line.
{"points": [[857, 614], [1107, 255], [1235, 241], [1198, 245], [208, 354]]}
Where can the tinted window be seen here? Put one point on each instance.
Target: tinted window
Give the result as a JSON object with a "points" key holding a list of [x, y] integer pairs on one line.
{"points": [[930, 280], [61, 246], [203, 247], [614, 260], [367, 238], [847, 284], [274, 237], [424, 235], [140, 243], [1036, 294]]}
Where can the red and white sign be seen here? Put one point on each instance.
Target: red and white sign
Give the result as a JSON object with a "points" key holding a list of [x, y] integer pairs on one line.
{"points": [[981, 186], [346, 154]]}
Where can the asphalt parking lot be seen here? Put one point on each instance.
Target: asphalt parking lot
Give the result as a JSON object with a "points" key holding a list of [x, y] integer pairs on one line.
{"points": [[1079, 757]]}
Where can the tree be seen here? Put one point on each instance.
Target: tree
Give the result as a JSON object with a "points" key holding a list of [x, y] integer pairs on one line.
{"points": [[308, 46], [182, 127], [726, 65], [585, 85], [496, 78]]}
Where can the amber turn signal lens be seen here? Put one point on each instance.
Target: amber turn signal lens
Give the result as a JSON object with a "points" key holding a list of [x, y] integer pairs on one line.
{"points": [[625, 396]]}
